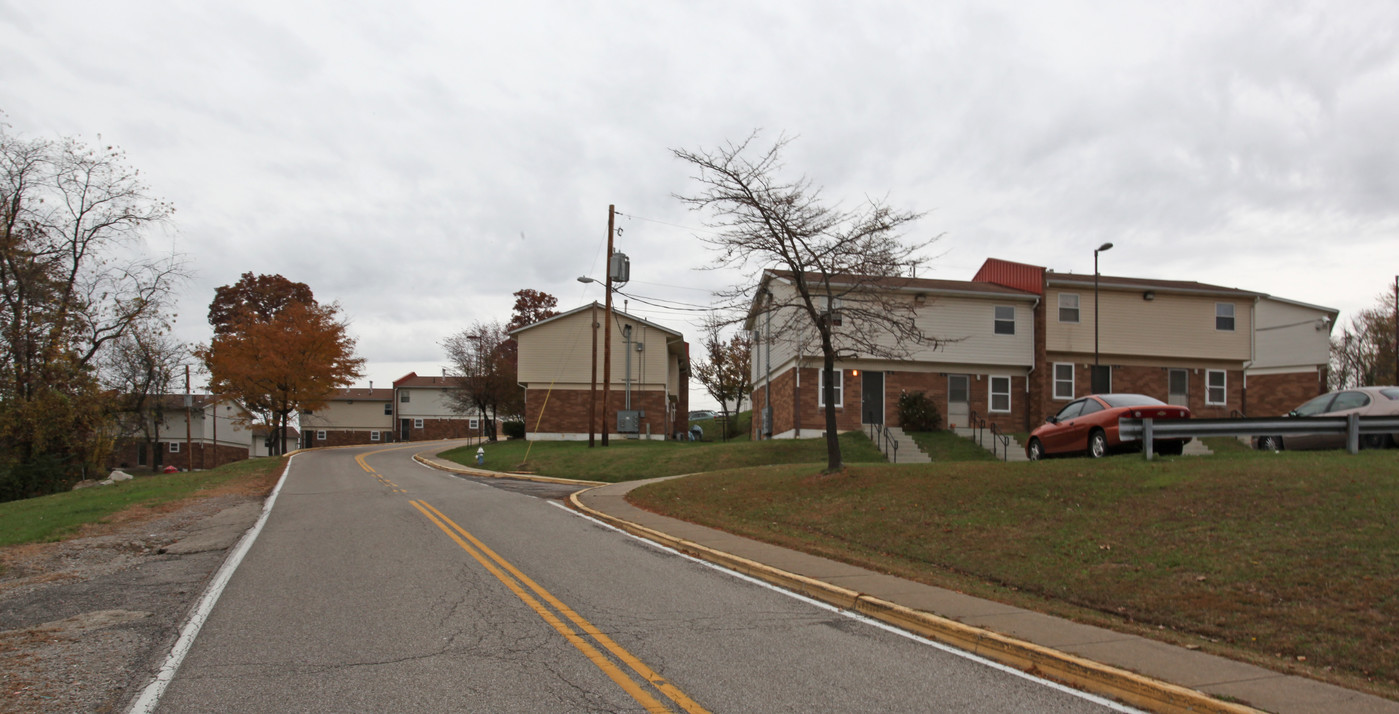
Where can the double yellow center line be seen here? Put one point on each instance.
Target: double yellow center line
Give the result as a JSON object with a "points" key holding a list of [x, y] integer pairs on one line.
{"points": [[578, 631]]}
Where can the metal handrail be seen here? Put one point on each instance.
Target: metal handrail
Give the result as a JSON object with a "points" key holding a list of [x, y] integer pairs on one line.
{"points": [[885, 442], [977, 424], [997, 435]]}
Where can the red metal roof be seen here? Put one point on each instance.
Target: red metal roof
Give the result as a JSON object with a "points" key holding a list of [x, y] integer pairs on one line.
{"points": [[1020, 276]]}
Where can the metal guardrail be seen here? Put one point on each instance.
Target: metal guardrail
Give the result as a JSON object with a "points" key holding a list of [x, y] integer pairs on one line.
{"points": [[1353, 426], [885, 442]]}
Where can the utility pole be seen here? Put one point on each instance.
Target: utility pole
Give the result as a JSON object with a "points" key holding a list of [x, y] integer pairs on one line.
{"points": [[189, 417], [607, 325], [592, 390]]}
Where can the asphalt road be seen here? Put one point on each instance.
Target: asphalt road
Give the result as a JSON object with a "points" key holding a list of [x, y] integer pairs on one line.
{"points": [[378, 584]]}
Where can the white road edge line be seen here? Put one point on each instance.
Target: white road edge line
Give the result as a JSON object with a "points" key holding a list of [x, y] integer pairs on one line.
{"points": [[150, 696], [1108, 703]]}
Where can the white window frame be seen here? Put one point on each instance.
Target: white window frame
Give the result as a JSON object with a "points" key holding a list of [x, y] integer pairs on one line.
{"points": [[473, 423], [174, 447], [1077, 308], [1232, 317], [839, 375], [417, 423], [1073, 386], [997, 320], [320, 435], [403, 397], [373, 436], [1210, 387], [388, 409], [991, 394]]}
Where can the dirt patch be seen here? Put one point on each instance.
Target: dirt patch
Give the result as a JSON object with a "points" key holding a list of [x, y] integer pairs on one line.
{"points": [[85, 623]]}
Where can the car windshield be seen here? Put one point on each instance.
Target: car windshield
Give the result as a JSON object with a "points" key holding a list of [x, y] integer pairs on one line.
{"points": [[1315, 406], [1130, 400]]}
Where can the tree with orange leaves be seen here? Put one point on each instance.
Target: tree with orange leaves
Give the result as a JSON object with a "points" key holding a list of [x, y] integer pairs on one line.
{"points": [[290, 355]]}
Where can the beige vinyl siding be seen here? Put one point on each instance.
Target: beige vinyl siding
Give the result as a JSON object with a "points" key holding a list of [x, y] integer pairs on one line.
{"points": [[361, 414], [969, 326], [560, 352], [426, 403], [1291, 335], [1170, 326], [965, 324]]}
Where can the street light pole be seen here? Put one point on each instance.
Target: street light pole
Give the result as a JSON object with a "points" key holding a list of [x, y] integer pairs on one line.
{"points": [[1096, 380]]}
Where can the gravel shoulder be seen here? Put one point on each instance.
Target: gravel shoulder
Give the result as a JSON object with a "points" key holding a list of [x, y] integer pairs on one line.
{"points": [[85, 623]]}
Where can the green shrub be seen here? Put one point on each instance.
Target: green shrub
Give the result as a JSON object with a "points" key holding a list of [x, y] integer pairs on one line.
{"points": [[918, 413], [513, 429]]}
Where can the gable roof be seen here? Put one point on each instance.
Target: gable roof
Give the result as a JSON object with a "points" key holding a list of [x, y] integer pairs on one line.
{"points": [[615, 313], [351, 394], [412, 380], [1171, 286]]}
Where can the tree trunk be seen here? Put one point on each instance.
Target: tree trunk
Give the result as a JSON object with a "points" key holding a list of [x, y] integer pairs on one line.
{"points": [[834, 462]]}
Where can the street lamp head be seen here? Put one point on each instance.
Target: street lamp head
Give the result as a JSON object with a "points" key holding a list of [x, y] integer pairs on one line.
{"points": [[585, 279], [1103, 247]]}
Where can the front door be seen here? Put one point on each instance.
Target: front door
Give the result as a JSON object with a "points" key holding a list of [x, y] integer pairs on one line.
{"points": [[872, 398], [403, 428], [1179, 388], [958, 400]]}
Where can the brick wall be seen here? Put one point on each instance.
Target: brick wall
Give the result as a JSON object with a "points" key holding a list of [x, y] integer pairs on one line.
{"points": [[347, 437], [1277, 394], [567, 411], [205, 456], [795, 409]]}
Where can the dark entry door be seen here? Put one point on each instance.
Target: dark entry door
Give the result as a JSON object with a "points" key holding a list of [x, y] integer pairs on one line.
{"points": [[403, 426], [872, 398]]}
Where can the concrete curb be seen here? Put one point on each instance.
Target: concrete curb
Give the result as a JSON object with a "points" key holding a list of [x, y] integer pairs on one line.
{"points": [[430, 460], [1129, 687]]}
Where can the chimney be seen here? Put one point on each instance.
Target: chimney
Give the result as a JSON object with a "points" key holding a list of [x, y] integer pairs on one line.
{"points": [[371, 385]]}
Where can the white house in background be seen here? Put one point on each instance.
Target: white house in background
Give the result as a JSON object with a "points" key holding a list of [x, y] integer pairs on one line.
{"points": [[217, 434], [1293, 348]]}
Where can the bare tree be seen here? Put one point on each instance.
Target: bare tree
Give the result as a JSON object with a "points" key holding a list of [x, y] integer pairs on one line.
{"points": [[1364, 353], [141, 369], [840, 261], [726, 368], [480, 357], [75, 276]]}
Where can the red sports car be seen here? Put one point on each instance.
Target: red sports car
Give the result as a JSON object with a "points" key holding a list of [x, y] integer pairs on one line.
{"points": [[1089, 424]]}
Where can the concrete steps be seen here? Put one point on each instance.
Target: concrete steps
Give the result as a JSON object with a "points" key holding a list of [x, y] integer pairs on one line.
{"points": [[991, 443], [908, 451]]}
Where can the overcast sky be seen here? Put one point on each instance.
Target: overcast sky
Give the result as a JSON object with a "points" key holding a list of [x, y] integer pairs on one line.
{"points": [[420, 163]]}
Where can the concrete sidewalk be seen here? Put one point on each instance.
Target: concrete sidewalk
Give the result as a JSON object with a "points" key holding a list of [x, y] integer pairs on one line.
{"points": [[1144, 673]]}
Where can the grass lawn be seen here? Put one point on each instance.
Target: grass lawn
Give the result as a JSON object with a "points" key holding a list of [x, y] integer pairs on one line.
{"points": [[945, 446], [60, 515], [1290, 560], [629, 460]]}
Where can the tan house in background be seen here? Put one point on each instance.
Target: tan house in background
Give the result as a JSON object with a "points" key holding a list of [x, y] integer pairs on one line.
{"points": [[649, 395], [423, 409], [352, 416], [1022, 344]]}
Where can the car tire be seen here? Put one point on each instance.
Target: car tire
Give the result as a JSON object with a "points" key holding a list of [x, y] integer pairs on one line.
{"points": [[1374, 441], [1270, 443], [1097, 444], [1035, 451]]}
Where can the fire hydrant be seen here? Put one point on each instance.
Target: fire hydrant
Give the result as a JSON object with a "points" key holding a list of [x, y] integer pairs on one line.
{"points": [[480, 456]]}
